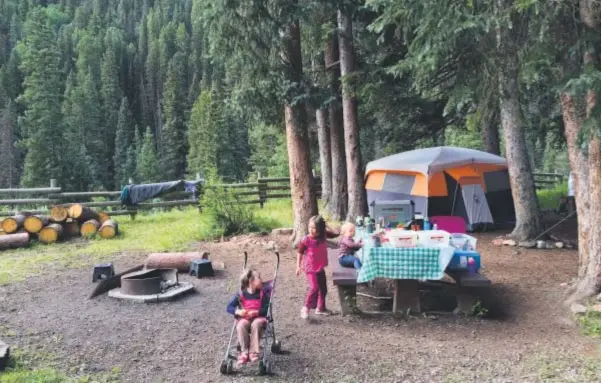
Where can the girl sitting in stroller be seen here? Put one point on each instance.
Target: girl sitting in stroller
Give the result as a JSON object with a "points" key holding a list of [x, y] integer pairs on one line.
{"points": [[250, 308]]}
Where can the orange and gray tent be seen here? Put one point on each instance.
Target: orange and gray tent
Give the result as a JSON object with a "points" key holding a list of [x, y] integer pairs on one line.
{"points": [[444, 181]]}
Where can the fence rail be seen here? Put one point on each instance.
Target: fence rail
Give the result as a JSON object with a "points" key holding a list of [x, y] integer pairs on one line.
{"points": [[547, 180], [37, 199]]}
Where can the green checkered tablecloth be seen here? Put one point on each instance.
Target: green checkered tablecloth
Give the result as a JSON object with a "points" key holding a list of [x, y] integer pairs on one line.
{"points": [[402, 263]]}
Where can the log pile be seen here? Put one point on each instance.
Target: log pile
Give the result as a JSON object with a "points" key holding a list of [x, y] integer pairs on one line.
{"points": [[62, 222]]}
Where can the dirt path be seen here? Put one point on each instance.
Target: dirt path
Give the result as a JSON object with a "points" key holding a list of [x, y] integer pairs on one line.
{"points": [[182, 341]]}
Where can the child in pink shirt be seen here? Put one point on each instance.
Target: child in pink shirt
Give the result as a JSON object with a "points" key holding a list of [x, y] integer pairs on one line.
{"points": [[312, 258]]}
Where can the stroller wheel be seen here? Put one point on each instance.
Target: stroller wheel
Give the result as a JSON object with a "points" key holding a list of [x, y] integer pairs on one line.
{"points": [[230, 366], [265, 367], [276, 347], [223, 367]]}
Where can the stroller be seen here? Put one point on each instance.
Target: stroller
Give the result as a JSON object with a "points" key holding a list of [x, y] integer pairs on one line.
{"points": [[270, 345]]}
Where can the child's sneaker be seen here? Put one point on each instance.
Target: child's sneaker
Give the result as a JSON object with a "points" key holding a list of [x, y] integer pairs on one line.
{"points": [[304, 312], [323, 312]]}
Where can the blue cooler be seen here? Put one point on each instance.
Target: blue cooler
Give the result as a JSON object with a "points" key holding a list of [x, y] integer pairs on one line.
{"points": [[459, 260]]}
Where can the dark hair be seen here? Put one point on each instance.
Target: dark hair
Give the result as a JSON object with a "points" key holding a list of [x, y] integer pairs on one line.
{"points": [[246, 278], [320, 224]]}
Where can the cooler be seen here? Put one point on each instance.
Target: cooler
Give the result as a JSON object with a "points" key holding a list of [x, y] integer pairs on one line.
{"points": [[433, 238], [459, 260]]}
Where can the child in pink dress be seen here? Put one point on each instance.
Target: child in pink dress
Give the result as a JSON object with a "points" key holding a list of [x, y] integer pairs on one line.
{"points": [[312, 258]]}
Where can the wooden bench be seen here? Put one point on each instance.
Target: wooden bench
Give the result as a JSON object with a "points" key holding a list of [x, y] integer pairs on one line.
{"points": [[345, 279], [470, 288]]}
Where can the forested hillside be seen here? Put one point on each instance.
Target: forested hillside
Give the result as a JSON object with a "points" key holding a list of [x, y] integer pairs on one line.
{"points": [[95, 92]]}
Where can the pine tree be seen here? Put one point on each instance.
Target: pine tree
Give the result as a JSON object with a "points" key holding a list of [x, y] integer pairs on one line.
{"points": [[10, 158], [97, 143], [41, 122], [76, 170], [111, 96], [123, 143], [174, 128], [148, 163], [202, 136], [130, 165]]}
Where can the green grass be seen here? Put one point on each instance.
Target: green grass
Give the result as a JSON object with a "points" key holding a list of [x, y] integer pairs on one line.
{"points": [[590, 323], [24, 367], [174, 230], [549, 198]]}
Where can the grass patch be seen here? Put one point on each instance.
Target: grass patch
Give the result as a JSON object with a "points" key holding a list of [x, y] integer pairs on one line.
{"points": [[24, 368], [555, 368], [174, 230], [549, 198], [590, 323]]}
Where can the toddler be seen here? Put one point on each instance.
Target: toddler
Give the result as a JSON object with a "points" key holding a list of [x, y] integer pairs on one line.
{"points": [[250, 308], [348, 247]]}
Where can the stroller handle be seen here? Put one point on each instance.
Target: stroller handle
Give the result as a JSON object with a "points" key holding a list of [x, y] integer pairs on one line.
{"points": [[244, 265]]}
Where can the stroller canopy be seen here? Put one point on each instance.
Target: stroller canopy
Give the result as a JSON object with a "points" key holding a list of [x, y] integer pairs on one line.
{"points": [[445, 181]]}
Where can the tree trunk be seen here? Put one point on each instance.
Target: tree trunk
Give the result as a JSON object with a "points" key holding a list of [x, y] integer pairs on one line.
{"points": [[82, 213], [325, 160], [12, 241], [586, 175], [34, 223], [72, 228], [297, 140], [11, 225], [59, 213], [108, 229], [89, 227], [51, 233], [489, 130], [526, 205], [355, 176], [338, 200]]}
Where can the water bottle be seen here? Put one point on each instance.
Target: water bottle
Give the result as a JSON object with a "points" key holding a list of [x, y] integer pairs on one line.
{"points": [[466, 245], [427, 224]]}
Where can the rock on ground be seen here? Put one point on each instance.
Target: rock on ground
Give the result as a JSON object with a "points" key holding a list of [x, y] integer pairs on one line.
{"points": [[509, 242], [527, 244], [578, 308]]}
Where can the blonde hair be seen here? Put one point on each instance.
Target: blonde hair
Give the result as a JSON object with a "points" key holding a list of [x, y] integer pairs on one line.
{"points": [[347, 226], [247, 276]]}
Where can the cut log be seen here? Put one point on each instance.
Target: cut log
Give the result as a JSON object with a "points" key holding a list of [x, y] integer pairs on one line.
{"points": [[12, 224], [59, 214], [11, 241], [82, 213], [109, 229], [89, 227], [180, 261], [34, 223], [103, 217], [72, 228], [51, 233]]}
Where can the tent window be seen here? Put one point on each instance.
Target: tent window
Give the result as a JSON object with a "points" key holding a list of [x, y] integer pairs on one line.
{"points": [[399, 183], [497, 181]]}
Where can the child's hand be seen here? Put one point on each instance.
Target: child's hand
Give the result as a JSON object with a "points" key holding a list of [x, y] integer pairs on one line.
{"points": [[240, 313], [298, 270], [253, 313]]}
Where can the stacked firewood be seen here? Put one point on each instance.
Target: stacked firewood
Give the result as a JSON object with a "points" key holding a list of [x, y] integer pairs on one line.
{"points": [[62, 222]]}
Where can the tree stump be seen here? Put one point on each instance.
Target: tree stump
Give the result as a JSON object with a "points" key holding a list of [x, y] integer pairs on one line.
{"points": [[51, 233]]}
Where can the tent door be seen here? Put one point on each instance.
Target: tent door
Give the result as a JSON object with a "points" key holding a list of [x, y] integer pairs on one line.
{"points": [[477, 208]]}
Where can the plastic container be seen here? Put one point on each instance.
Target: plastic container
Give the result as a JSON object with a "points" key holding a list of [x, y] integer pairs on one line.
{"points": [[463, 241], [460, 260], [433, 238], [403, 238]]}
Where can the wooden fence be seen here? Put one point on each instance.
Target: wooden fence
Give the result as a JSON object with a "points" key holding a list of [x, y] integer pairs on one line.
{"points": [[38, 200], [547, 180]]}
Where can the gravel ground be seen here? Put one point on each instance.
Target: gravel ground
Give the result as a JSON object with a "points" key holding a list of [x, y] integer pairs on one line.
{"points": [[183, 341]]}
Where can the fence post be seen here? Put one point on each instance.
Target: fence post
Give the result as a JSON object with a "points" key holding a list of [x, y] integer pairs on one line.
{"points": [[52, 196], [262, 189]]}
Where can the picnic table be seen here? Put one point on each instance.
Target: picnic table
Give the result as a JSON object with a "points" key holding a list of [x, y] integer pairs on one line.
{"points": [[406, 266]]}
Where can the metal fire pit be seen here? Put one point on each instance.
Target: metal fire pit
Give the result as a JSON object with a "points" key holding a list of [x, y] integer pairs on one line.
{"points": [[146, 282], [151, 285]]}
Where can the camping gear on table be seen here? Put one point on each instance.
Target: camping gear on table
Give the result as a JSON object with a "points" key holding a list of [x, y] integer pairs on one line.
{"points": [[433, 238], [403, 238], [463, 241], [445, 181], [394, 212]]}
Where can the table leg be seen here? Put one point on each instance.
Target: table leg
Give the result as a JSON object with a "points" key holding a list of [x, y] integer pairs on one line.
{"points": [[406, 296]]}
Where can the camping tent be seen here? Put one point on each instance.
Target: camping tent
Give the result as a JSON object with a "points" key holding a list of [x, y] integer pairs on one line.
{"points": [[445, 181]]}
